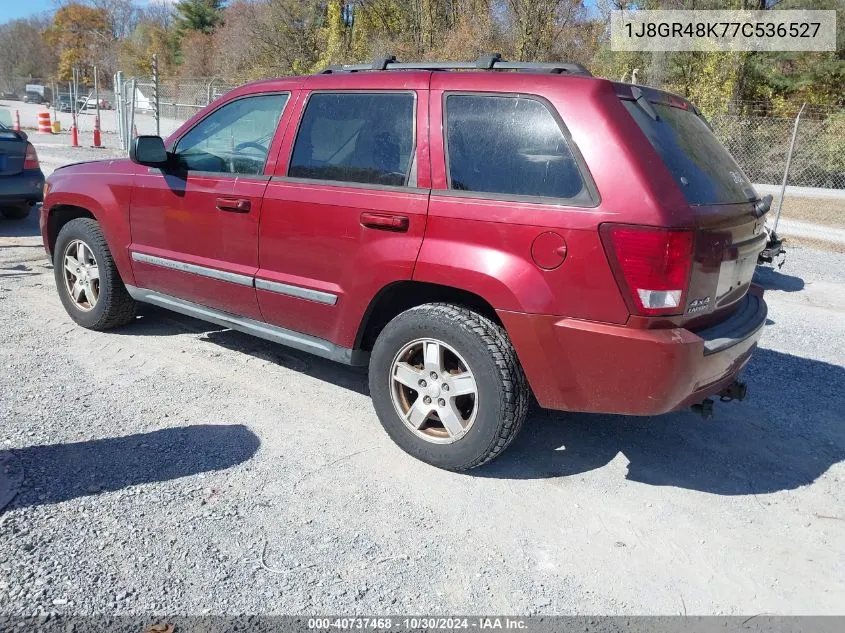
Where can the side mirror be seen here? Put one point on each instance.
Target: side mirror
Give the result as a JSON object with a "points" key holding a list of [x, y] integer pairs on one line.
{"points": [[148, 150]]}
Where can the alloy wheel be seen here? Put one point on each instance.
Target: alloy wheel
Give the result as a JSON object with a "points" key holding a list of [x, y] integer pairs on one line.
{"points": [[81, 275], [434, 391]]}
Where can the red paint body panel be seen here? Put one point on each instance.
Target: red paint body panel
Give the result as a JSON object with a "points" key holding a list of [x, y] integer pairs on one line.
{"points": [[312, 237], [579, 344], [104, 188], [176, 218], [577, 365]]}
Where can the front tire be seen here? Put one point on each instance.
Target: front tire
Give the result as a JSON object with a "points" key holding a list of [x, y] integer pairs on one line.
{"points": [[20, 212], [87, 279], [447, 386]]}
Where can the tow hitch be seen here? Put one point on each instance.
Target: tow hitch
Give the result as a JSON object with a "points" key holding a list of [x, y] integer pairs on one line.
{"points": [[704, 408], [735, 391]]}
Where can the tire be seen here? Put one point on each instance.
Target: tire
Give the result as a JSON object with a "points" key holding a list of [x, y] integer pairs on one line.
{"points": [[16, 213], [469, 344], [113, 306]]}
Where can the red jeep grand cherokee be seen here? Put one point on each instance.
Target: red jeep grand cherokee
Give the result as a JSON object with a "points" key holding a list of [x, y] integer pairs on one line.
{"points": [[467, 234]]}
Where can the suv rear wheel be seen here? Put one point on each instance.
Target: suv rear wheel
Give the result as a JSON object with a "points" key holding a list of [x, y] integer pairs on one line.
{"points": [[87, 279], [447, 386]]}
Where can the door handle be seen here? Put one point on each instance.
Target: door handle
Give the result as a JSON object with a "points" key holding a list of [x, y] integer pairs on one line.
{"points": [[237, 205], [385, 221]]}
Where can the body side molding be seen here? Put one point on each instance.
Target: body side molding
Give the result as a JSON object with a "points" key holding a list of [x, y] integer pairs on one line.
{"points": [[204, 271]]}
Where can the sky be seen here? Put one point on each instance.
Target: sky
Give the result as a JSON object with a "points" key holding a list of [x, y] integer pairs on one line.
{"points": [[13, 9]]}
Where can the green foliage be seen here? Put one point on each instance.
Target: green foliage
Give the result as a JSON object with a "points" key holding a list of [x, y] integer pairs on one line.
{"points": [[199, 15]]}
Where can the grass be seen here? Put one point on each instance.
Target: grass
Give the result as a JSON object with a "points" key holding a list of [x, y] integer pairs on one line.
{"points": [[822, 245], [824, 211]]}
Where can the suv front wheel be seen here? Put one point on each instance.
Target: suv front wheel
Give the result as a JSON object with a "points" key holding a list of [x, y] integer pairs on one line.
{"points": [[87, 278], [447, 386]]}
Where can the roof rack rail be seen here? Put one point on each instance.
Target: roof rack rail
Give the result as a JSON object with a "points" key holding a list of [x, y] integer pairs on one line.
{"points": [[490, 61]]}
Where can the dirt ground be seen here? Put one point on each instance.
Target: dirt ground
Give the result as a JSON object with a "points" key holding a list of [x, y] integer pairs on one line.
{"points": [[176, 467]]}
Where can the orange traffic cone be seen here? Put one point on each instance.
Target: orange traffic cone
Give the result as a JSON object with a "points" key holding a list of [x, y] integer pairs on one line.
{"points": [[74, 136], [97, 139], [17, 125]]}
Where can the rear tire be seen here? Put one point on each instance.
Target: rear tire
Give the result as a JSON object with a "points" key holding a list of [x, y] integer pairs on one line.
{"points": [[83, 266], [447, 386], [16, 213]]}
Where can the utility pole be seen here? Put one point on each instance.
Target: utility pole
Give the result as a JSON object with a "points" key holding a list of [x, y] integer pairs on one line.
{"points": [[155, 95], [97, 93]]}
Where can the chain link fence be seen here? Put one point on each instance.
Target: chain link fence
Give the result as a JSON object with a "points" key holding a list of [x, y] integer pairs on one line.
{"points": [[147, 106], [760, 142]]}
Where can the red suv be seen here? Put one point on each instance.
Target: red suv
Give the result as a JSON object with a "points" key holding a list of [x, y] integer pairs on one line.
{"points": [[470, 235]]}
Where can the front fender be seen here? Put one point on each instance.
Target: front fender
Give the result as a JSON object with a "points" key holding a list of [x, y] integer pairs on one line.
{"points": [[103, 189]]}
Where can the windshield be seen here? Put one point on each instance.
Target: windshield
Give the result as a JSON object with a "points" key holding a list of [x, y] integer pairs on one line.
{"points": [[700, 164]]}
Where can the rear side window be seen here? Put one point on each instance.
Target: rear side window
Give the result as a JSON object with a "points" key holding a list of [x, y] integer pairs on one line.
{"points": [[356, 137], [509, 145], [700, 164]]}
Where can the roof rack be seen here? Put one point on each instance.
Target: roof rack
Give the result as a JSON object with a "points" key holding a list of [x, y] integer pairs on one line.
{"points": [[491, 61]]}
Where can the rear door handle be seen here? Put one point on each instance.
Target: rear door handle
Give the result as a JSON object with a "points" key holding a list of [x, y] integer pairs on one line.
{"points": [[385, 221], [236, 205]]}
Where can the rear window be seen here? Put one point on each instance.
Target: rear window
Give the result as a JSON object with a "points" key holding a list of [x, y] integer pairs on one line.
{"points": [[509, 145], [356, 137], [700, 164]]}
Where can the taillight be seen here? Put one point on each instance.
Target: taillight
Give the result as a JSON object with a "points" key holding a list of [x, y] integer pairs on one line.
{"points": [[31, 159], [652, 266]]}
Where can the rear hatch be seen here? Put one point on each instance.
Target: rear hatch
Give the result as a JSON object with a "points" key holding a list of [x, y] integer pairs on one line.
{"points": [[12, 152], [727, 212]]}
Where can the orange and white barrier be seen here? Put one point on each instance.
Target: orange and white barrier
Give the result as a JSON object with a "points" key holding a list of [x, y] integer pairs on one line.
{"points": [[44, 123]]}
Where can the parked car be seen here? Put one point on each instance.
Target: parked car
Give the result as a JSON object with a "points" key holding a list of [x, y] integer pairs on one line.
{"points": [[21, 179], [10, 96], [64, 103], [471, 236], [36, 93]]}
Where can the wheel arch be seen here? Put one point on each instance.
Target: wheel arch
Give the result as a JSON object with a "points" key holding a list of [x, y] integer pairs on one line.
{"points": [[114, 227], [399, 296], [58, 216]]}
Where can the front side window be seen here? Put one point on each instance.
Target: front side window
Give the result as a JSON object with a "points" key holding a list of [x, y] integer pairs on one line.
{"points": [[233, 139], [509, 145], [356, 137]]}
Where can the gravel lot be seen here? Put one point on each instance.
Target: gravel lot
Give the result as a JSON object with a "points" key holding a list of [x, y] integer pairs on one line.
{"points": [[160, 464]]}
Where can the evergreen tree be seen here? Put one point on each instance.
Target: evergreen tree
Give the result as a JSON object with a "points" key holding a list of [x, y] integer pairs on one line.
{"points": [[199, 15]]}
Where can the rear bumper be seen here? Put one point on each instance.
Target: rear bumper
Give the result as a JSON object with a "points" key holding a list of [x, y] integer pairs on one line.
{"points": [[26, 187], [578, 365]]}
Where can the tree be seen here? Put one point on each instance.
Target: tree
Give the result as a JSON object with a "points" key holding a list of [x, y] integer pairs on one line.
{"points": [[149, 38], [197, 54], [199, 15], [22, 49], [82, 38]]}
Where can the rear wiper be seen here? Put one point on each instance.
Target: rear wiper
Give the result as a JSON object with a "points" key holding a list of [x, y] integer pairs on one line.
{"points": [[640, 100], [762, 206]]}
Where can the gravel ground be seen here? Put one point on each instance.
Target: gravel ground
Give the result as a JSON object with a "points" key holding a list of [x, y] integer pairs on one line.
{"points": [[176, 467]]}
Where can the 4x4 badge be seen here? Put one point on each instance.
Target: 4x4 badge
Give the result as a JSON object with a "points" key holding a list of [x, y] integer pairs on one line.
{"points": [[697, 305]]}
